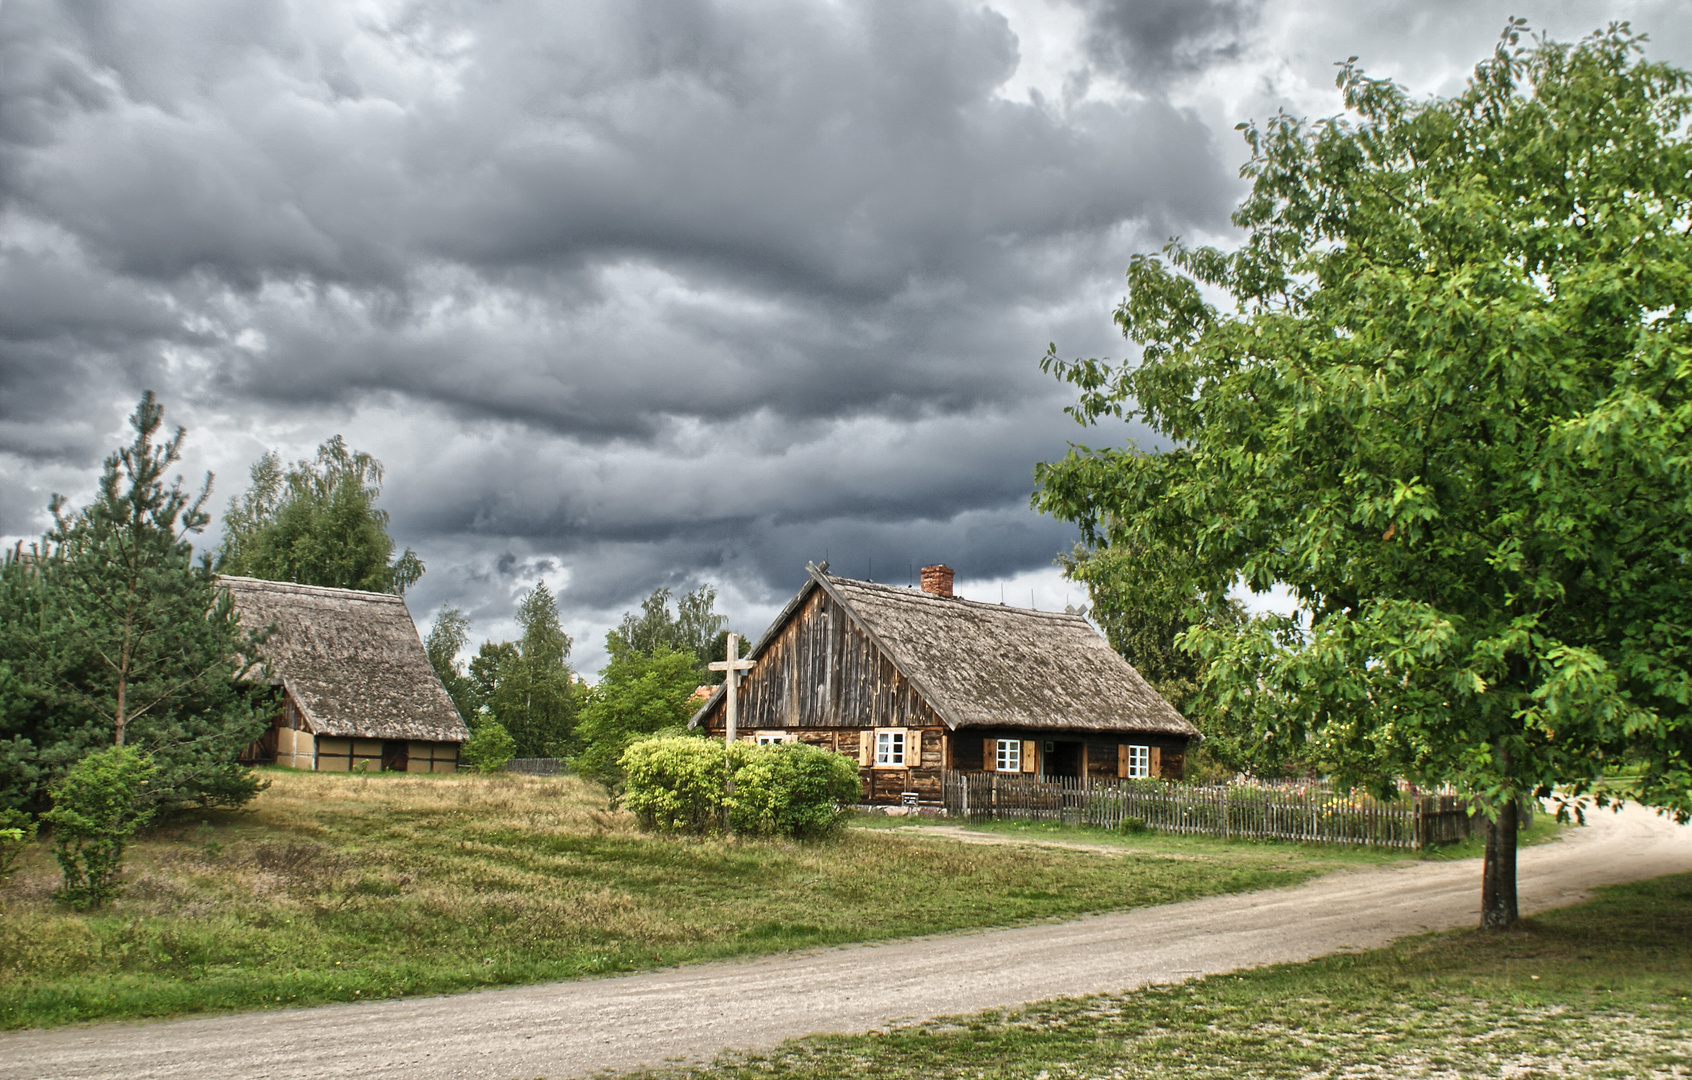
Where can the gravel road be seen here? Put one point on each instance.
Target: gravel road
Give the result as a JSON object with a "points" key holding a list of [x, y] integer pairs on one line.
{"points": [[570, 1029]]}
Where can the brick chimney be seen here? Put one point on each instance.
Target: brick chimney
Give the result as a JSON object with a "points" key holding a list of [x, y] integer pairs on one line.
{"points": [[937, 580]]}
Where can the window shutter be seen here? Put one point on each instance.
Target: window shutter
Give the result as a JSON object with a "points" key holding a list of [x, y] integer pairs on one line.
{"points": [[866, 747], [990, 754], [1028, 750], [1121, 760], [1156, 761]]}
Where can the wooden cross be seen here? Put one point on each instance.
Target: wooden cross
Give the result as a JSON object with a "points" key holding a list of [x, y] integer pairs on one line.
{"points": [[731, 666]]}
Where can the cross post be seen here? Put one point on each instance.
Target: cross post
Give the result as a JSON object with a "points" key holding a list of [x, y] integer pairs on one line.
{"points": [[731, 666]]}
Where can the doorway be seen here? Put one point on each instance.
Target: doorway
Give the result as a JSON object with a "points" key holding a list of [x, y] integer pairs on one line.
{"points": [[1062, 758]]}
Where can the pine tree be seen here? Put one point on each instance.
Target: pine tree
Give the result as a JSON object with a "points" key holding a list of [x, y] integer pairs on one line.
{"points": [[112, 633]]}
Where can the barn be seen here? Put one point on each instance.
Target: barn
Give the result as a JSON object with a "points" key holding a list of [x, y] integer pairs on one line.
{"points": [[358, 693], [913, 683]]}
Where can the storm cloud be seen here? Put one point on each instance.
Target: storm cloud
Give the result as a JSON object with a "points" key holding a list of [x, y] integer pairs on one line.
{"points": [[629, 293]]}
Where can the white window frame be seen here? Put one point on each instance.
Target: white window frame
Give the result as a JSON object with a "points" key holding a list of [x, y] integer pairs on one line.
{"points": [[890, 745], [1007, 755], [1139, 762], [774, 738]]}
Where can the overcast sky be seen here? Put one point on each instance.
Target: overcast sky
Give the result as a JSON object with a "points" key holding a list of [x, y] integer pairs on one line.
{"points": [[637, 292]]}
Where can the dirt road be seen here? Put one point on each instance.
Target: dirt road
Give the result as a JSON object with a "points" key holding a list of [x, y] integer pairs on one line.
{"points": [[568, 1029]]}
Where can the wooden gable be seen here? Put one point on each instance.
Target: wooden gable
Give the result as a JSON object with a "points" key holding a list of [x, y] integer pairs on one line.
{"points": [[817, 667]]}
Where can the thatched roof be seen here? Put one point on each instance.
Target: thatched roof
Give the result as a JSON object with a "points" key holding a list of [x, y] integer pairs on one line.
{"points": [[989, 665], [352, 661]]}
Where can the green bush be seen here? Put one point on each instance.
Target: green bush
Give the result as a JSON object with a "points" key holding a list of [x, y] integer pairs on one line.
{"points": [[1133, 826], [791, 790], [103, 800], [489, 747], [676, 784]]}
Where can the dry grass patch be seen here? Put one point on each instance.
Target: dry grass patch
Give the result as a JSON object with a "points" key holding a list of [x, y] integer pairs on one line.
{"points": [[336, 887]]}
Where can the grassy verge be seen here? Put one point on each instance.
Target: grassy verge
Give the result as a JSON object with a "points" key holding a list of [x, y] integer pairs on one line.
{"points": [[1599, 990], [344, 888], [1543, 829]]}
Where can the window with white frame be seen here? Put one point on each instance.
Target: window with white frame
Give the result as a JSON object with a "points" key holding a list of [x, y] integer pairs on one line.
{"points": [[890, 747], [1139, 762], [773, 738], [1007, 756]]}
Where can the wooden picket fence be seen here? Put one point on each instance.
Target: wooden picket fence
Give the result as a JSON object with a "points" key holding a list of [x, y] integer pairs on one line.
{"points": [[1312, 812]]}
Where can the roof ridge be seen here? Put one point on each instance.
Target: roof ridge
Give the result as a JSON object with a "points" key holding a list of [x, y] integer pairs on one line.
{"points": [[913, 593], [294, 586]]}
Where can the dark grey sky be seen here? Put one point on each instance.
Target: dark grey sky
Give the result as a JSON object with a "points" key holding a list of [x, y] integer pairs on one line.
{"points": [[638, 292]]}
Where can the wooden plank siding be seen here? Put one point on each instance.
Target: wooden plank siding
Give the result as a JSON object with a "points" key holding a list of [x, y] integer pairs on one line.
{"points": [[803, 682]]}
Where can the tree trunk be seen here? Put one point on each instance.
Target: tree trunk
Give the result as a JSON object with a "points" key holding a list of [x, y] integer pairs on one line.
{"points": [[1498, 876]]}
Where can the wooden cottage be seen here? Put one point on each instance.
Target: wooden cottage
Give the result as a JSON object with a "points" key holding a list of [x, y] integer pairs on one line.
{"points": [[358, 692], [912, 683]]}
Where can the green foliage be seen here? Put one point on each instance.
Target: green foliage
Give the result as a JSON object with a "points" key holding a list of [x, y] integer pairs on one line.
{"points": [[637, 694], [111, 633], [489, 747], [527, 685], [1450, 410], [447, 638], [790, 789], [17, 832], [694, 627], [316, 523], [97, 808], [677, 785]]}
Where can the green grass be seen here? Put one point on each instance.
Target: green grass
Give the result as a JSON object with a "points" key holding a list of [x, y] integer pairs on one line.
{"points": [[345, 888], [1598, 990]]}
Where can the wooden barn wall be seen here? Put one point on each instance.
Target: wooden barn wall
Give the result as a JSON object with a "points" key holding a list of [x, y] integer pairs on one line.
{"points": [[822, 671]]}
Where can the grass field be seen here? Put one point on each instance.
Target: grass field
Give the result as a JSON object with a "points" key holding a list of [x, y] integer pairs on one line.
{"points": [[343, 888], [1599, 990]]}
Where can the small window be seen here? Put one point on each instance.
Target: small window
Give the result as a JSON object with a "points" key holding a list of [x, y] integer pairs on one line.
{"points": [[1008, 757], [1139, 762], [890, 748], [773, 738]]}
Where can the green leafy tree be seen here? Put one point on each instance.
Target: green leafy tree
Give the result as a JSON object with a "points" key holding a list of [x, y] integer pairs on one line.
{"points": [[527, 685], [1450, 410], [489, 747], [694, 626], [316, 523], [111, 633], [637, 694], [99, 805], [448, 636]]}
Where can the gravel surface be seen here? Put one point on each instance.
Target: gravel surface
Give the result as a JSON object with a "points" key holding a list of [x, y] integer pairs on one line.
{"points": [[571, 1029]]}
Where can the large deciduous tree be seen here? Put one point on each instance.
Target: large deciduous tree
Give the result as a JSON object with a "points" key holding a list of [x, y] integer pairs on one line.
{"points": [[1449, 408], [316, 523]]}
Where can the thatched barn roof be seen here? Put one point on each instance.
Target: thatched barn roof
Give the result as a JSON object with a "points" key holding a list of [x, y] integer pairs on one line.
{"points": [[351, 661], [989, 665]]}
